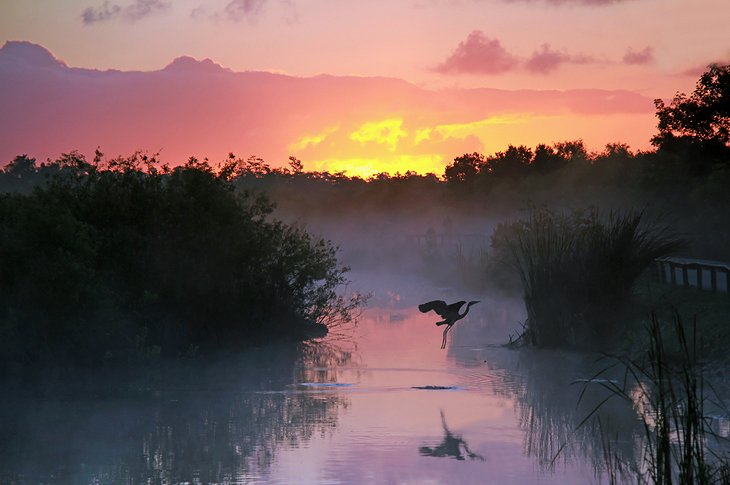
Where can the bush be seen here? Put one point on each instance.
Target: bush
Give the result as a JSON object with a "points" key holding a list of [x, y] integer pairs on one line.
{"points": [[108, 259]]}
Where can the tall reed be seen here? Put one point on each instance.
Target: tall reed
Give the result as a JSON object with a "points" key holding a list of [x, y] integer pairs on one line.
{"points": [[669, 393], [577, 270]]}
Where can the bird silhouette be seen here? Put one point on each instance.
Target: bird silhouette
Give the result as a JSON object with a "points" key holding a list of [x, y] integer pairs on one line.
{"points": [[449, 313]]}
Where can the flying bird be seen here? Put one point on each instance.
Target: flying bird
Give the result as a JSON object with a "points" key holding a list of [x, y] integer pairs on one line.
{"points": [[449, 313]]}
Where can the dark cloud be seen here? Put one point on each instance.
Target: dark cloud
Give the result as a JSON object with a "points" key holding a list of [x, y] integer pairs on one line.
{"points": [[142, 8], [106, 11], [478, 54], [238, 10], [644, 56], [132, 12], [546, 60]]}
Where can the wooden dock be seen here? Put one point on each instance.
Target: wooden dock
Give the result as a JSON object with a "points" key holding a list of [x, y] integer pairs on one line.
{"points": [[695, 273]]}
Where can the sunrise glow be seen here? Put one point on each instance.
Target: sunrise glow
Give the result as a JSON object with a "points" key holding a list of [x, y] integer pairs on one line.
{"points": [[397, 145], [414, 97]]}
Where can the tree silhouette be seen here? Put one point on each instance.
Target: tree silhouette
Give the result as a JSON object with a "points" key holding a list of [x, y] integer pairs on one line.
{"points": [[511, 163], [465, 168], [698, 126]]}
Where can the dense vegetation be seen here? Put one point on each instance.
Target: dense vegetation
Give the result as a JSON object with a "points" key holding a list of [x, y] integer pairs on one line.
{"points": [[578, 270], [109, 259]]}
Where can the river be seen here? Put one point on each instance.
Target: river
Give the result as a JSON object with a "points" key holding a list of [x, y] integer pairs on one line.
{"points": [[377, 402]]}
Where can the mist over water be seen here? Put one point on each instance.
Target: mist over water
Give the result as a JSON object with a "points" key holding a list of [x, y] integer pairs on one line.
{"points": [[375, 402]]}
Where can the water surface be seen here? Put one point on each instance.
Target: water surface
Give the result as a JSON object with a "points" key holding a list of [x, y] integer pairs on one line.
{"points": [[379, 403]]}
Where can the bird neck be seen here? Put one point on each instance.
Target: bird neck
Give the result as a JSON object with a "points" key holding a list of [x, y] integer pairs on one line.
{"points": [[467, 309]]}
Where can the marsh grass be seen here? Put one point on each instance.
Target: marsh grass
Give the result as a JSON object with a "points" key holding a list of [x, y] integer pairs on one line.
{"points": [[577, 270], [670, 396]]}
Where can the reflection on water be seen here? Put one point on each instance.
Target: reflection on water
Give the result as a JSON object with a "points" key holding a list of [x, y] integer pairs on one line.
{"points": [[451, 446], [374, 409], [217, 424], [554, 401]]}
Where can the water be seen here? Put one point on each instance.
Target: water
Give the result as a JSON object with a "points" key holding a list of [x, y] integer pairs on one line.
{"points": [[380, 403]]}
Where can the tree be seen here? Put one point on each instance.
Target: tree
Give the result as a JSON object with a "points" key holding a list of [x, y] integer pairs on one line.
{"points": [[546, 160], [511, 163], [572, 151], [21, 167], [20, 175], [465, 168], [699, 122]]}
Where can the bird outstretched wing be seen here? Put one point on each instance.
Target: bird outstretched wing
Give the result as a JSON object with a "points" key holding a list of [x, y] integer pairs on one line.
{"points": [[440, 307]]}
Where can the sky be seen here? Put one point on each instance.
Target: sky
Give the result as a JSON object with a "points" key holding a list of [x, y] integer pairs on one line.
{"points": [[652, 48]]}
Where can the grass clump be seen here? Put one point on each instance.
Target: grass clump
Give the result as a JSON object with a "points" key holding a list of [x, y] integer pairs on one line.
{"points": [[577, 270], [666, 386]]}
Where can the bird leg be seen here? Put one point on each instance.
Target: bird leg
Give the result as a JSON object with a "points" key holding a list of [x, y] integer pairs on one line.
{"points": [[443, 343]]}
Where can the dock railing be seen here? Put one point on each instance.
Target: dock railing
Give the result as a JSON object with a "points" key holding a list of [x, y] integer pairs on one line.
{"points": [[695, 273]]}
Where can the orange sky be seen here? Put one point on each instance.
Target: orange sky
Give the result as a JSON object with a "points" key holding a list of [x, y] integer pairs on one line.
{"points": [[543, 54]]}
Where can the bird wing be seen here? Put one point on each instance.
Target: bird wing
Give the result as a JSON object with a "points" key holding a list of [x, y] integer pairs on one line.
{"points": [[454, 307], [439, 306]]}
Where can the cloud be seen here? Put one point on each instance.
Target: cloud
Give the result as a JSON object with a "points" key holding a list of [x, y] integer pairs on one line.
{"points": [[313, 140], [198, 13], [133, 12], [106, 11], [385, 132], [546, 60], [699, 70], [142, 8], [596, 3], [478, 54], [642, 57], [237, 10]]}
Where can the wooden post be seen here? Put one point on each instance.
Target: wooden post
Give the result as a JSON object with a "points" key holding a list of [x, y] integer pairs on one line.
{"points": [[700, 279], [727, 283]]}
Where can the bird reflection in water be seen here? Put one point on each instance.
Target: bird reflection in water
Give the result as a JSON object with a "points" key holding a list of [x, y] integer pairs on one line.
{"points": [[452, 446], [449, 313]]}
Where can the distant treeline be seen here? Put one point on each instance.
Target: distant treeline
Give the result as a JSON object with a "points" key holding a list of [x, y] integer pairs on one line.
{"points": [[111, 260]]}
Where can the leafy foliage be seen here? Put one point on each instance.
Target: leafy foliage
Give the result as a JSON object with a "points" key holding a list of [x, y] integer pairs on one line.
{"points": [[698, 125], [703, 116], [113, 257]]}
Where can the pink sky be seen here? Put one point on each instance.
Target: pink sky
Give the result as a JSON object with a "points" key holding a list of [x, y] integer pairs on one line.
{"points": [[652, 48]]}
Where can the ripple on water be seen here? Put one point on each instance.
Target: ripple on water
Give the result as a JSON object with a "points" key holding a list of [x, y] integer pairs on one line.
{"points": [[325, 384], [438, 388]]}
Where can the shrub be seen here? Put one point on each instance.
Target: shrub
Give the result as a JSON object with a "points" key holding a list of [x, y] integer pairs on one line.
{"points": [[107, 259]]}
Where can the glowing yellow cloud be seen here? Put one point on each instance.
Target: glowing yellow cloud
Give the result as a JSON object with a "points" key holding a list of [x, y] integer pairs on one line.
{"points": [[385, 146], [462, 130], [312, 140], [421, 135], [386, 132], [365, 167]]}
